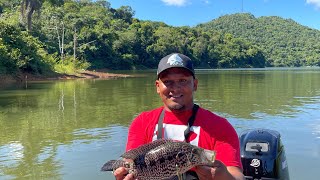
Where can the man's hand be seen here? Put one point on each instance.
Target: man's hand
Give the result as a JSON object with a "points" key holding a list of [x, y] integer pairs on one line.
{"points": [[219, 172], [122, 174]]}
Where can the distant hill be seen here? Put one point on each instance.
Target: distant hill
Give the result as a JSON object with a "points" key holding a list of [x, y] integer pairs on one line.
{"points": [[283, 41]]}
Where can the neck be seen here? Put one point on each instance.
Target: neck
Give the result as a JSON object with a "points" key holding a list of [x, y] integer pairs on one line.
{"points": [[180, 110]]}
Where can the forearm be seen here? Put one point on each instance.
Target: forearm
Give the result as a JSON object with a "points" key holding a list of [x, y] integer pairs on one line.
{"points": [[235, 173]]}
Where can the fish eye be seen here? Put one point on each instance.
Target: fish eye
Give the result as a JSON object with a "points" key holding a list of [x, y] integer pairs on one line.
{"points": [[179, 155]]}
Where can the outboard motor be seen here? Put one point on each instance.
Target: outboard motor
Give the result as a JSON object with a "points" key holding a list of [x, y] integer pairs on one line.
{"points": [[263, 155]]}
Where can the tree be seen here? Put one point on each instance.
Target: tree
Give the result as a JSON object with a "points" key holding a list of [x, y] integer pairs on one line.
{"points": [[28, 7], [125, 13]]}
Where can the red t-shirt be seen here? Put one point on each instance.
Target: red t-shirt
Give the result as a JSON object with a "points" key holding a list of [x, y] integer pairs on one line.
{"points": [[208, 131]]}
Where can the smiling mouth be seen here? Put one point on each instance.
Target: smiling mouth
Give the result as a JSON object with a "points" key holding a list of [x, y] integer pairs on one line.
{"points": [[175, 97]]}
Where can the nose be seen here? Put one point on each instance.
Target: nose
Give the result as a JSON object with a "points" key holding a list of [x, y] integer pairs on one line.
{"points": [[175, 85]]}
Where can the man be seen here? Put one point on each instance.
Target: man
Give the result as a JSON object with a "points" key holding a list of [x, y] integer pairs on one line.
{"points": [[180, 119]]}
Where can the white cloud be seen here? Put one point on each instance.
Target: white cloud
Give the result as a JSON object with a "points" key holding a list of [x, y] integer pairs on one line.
{"points": [[314, 2], [175, 2]]}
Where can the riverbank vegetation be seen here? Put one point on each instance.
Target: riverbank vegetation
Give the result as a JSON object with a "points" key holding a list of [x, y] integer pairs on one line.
{"points": [[51, 37]]}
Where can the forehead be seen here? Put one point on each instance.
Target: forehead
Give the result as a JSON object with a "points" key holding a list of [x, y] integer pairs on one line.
{"points": [[175, 71]]}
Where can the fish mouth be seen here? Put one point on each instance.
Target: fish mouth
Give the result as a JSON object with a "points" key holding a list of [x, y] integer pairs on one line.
{"points": [[210, 155]]}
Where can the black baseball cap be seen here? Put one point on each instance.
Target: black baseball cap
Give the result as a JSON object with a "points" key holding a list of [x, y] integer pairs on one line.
{"points": [[175, 60]]}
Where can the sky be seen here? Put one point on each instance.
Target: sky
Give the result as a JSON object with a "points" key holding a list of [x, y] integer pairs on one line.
{"points": [[194, 12]]}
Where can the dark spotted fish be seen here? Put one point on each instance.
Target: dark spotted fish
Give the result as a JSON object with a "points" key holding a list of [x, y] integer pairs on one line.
{"points": [[162, 159]]}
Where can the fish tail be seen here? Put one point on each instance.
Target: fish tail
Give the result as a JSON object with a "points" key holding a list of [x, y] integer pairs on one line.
{"points": [[115, 164], [108, 166]]}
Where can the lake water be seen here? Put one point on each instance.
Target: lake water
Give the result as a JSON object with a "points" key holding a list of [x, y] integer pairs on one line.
{"points": [[68, 129]]}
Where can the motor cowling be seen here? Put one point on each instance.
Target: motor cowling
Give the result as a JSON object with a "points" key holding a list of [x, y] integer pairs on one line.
{"points": [[263, 155]]}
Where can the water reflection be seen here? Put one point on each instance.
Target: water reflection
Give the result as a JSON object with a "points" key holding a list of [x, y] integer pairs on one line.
{"points": [[245, 94], [53, 115], [316, 129], [11, 153]]}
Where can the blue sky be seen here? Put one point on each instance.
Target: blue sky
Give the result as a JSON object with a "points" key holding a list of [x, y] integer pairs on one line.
{"points": [[193, 12]]}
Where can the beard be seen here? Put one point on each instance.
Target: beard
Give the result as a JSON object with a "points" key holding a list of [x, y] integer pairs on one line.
{"points": [[176, 107]]}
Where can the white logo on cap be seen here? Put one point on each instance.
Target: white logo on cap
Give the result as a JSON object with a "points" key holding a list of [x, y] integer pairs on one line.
{"points": [[255, 163], [174, 60]]}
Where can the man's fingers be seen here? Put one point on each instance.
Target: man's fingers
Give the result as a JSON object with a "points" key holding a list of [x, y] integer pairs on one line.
{"points": [[204, 172], [129, 177], [210, 172], [120, 173], [217, 163]]}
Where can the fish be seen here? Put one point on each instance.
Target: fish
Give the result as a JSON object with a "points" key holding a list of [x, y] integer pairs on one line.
{"points": [[161, 159]]}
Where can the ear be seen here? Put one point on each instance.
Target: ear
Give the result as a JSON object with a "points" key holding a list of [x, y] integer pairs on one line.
{"points": [[157, 83], [195, 84]]}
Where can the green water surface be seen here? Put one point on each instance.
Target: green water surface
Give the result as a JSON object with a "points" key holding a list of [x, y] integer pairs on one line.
{"points": [[68, 129]]}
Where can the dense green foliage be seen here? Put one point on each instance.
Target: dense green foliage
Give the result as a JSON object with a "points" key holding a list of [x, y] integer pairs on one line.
{"points": [[283, 41], [19, 50], [40, 36]]}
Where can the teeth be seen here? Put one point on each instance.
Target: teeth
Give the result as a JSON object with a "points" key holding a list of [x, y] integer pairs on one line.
{"points": [[176, 95]]}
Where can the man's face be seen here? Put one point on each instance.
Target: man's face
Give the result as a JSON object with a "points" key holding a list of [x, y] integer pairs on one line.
{"points": [[175, 87]]}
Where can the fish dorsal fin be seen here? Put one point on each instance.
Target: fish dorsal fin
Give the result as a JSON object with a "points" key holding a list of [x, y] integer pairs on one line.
{"points": [[143, 149]]}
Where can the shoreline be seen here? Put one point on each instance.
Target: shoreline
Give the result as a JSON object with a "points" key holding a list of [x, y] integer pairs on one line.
{"points": [[23, 77]]}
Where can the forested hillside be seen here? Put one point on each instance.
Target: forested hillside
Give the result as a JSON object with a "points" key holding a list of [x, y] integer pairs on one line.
{"points": [[44, 36], [283, 41]]}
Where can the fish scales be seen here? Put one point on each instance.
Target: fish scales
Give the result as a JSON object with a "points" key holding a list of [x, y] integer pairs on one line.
{"points": [[162, 159]]}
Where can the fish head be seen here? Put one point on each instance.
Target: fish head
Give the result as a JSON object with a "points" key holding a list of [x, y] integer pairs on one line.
{"points": [[201, 156]]}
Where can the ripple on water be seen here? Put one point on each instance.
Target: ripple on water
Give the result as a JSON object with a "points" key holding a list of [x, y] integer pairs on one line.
{"points": [[100, 144], [98, 137], [11, 153], [316, 128]]}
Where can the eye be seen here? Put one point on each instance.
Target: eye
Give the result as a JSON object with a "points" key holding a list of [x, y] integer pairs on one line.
{"points": [[167, 82], [183, 81]]}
